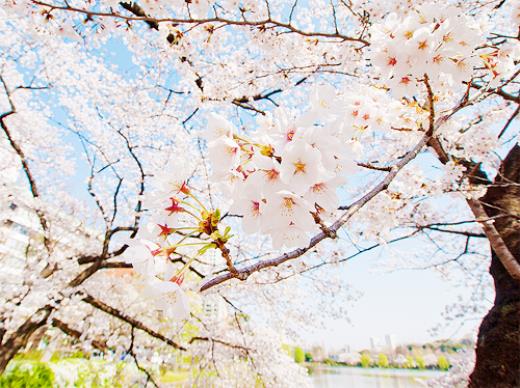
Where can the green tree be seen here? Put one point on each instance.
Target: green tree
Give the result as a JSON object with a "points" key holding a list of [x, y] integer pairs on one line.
{"points": [[382, 361], [28, 375], [365, 360], [299, 355], [409, 362], [419, 360], [308, 357], [443, 363]]}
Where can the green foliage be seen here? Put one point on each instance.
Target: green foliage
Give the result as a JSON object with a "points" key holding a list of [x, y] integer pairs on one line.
{"points": [[329, 361], [308, 357], [365, 360], [419, 360], [55, 357], [78, 354], [189, 331], [382, 361], [188, 360], [174, 377], [443, 363], [243, 316], [28, 375], [32, 355], [409, 362], [299, 355]]}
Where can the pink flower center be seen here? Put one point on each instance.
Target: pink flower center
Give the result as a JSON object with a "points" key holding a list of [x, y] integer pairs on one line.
{"points": [[255, 208], [272, 174], [405, 81]]}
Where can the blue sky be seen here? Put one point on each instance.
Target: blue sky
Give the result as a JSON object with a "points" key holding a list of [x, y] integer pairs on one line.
{"points": [[407, 303]]}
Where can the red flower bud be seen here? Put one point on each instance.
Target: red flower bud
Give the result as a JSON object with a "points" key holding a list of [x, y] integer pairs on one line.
{"points": [[174, 208]]}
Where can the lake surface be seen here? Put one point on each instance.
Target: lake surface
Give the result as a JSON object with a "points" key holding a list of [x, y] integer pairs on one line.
{"points": [[351, 377]]}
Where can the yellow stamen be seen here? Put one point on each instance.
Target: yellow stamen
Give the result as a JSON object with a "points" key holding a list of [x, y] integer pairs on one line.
{"points": [[288, 202], [299, 167]]}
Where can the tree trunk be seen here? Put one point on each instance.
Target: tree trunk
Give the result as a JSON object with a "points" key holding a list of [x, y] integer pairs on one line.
{"points": [[18, 340], [498, 345]]}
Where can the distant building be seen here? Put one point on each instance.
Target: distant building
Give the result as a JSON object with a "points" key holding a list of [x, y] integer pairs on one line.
{"points": [[214, 309], [17, 224], [390, 343], [375, 344], [21, 234], [21, 243]]}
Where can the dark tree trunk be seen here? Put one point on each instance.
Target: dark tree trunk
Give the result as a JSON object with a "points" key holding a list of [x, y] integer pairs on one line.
{"points": [[498, 346], [18, 340]]}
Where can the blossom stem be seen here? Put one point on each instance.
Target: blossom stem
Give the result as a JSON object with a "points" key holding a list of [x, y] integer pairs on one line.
{"points": [[189, 204], [199, 202], [192, 214], [186, 265]]}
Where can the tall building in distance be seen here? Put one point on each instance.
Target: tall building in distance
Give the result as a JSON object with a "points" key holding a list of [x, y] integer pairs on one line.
{"points": [[214, 309], [387, 345], [390, 343], [21, 234]]}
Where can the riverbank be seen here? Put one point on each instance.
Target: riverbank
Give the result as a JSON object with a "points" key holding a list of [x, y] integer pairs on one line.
{"points": [[324, 376]]}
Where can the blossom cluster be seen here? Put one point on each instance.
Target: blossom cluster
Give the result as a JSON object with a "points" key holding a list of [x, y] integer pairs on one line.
{"points": [[152, 252], [436, 41], [283, 180], [180, 229]]}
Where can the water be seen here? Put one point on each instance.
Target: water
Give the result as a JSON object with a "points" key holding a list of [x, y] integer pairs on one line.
{"points": [[350, 377]]}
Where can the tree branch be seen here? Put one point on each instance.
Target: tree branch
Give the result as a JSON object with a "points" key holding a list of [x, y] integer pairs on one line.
{"points": [[131, 321], [100, 345], [261, 24], [497, 243]]}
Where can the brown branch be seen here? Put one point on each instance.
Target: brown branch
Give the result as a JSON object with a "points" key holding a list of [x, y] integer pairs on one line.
{"points": [[16, 341], [451, 231], [229, 262], [344, 259], [25, 166], [131, 321], [138, 11], [372, 167], [499, 92], [190, 267], [497, 243], [71, 332], [149, 377], [261, 24], [218, 341], [142, 177], [509, 121], [116, 264]]}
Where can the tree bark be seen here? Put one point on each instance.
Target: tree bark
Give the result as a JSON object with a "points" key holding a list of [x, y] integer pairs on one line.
{"points": [[17, 340], [498, 345]]}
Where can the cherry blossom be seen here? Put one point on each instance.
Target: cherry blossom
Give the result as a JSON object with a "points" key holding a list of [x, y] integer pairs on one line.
{"points": [[159, 148]]}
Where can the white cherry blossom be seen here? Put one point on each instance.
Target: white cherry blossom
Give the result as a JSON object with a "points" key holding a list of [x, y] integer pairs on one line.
{"points": [[301, 166]]}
